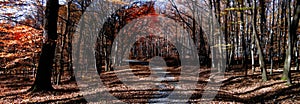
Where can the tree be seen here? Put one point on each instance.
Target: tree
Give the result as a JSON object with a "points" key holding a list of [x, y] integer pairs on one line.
{"points": [[271, 38], [43, 78], [242, 29], [292, 34], [261, 56]]}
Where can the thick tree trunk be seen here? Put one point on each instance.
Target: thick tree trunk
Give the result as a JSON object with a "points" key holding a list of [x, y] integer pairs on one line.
{"points": [[43, 77]]}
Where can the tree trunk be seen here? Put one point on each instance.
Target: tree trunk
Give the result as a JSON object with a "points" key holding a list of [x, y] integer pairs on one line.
{"points": [[252, 52], [297, 54], [261, 56], [271, 38], [245, 56], [43, 77], [291, 38], [71, 31], [212, 38]]}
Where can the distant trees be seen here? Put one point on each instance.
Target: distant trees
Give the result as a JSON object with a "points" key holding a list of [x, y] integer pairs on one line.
{"points": [[256, 28], [22, 12], [274, 34], [188, 19], [112, 26]]}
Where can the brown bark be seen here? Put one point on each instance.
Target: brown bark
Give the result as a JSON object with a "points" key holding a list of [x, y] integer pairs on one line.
{"points": [[43, 77], [291, 39]]}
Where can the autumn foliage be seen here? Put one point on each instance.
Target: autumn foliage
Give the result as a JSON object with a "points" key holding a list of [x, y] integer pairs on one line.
{"points": [[18, 44]]}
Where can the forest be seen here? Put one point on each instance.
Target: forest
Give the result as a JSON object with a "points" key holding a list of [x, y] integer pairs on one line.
{"points": [[149, 51]]}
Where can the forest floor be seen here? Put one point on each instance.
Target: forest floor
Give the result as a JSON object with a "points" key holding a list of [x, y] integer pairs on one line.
{"points": [[235, 88]]}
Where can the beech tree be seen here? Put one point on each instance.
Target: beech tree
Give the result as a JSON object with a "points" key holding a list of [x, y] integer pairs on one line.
{"points": [[292, 34], [258, 44], [43, 77]]}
